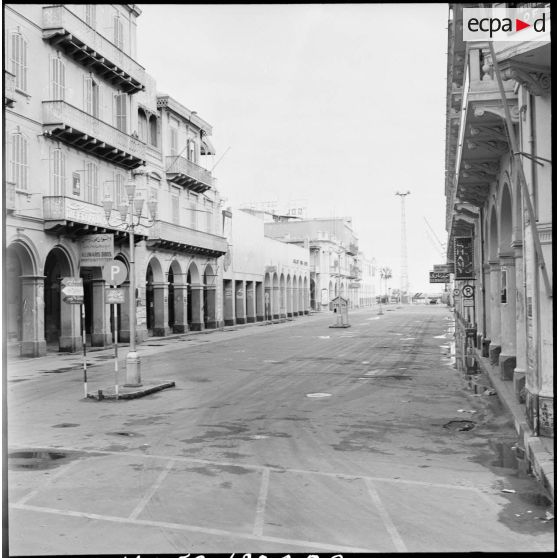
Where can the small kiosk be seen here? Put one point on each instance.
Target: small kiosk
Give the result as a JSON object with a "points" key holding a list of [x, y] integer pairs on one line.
{"points": [[340, 306]]}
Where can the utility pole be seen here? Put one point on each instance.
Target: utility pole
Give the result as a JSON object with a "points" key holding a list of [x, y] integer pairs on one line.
{"points": [[404, 275]]}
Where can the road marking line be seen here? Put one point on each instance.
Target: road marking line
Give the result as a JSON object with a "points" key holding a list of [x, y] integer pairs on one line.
{"points": [[193, 528], [62, 471], [261, 467], [262, 500], [386, 519], [150, 493]]}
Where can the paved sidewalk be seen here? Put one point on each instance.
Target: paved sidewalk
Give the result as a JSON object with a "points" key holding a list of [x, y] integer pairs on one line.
{"points": [[539, 449]]}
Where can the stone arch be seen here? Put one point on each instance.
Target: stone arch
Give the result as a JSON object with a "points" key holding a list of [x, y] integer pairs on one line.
{"points": [[506, 220], [175, 278], [275, 297], [305, 295], [209, 297], [61, 320], [22, 295], [155, 308], [194, 310], [290, 301]]}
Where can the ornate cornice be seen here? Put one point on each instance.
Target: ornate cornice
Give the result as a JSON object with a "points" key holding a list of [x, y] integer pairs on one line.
{"points": [[535, 78], [498, 110]]}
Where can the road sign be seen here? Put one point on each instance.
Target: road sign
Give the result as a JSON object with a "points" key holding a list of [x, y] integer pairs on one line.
{"points": [[468, 302], [114, 296], [456, 292], [72, 290], [114, 273], [468, 291]]}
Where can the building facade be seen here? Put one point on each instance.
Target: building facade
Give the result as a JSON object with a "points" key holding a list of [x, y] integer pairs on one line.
{"points": [[499, 212], [336, 266], [83, 119], [263, 279]]}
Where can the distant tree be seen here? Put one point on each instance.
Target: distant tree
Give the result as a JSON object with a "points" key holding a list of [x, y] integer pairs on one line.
{"points": [[385, 274]]}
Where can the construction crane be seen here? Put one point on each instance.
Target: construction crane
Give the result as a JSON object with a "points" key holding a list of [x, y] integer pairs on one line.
{"points": [[435, 241]]}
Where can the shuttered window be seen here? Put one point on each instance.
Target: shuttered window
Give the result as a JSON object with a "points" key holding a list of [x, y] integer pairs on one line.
{"points": [[209, 216], [175, 200], [120, 111], [91, 183], [58, 79], [193, 211], [118, 32], [19, 161], [58, 172], [19, 61], [90, 14], [173, 141], [91, 95]]}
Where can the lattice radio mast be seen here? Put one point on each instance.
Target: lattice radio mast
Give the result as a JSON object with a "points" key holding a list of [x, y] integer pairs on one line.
{"points": [[404, 272]]}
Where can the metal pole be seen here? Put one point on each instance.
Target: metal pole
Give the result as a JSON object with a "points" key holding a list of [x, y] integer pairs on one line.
{"points": [[133, 365], [339, 321], [115, 329], [82, 308]]}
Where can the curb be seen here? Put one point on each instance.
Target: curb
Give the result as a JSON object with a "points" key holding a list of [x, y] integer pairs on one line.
{"points": [[540, 459], [128, 393]]}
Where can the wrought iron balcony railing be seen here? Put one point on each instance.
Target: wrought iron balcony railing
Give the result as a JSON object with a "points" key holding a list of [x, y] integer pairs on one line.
{"points": [[65, 30], [86, 132], [9, 89], [188, 174]]}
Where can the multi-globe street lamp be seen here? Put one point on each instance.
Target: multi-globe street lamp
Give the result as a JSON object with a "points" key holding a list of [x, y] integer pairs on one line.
{"points": [[130, 215]]}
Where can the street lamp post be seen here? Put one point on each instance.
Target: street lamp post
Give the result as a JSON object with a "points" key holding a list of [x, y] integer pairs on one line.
{"points": [[133, 209]]}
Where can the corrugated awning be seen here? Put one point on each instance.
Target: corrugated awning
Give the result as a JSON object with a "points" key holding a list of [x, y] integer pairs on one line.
{"points": [[207, 147]]}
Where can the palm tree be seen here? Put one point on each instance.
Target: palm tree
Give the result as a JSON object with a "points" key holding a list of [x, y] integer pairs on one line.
{"points": [[385, 274]]}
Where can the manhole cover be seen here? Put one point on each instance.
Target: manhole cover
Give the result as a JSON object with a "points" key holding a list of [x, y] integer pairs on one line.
{"points": [[318, 395], [460, 425]]}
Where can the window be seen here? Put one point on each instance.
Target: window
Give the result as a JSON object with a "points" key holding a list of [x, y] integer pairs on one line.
{"points": [[91, 183], [175, 201], [90, 14], [91, 96], [20, 168], [58, 79], [19, 61], [120, 111], [58, 173], [142, 125], [209, 216], [118, 32], [504, 286], [173, 141], [120, 197], [153, 131], [192, 151], [193, 211]]}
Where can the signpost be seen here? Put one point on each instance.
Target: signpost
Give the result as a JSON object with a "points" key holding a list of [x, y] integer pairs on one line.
{"points": [[72, 293]]}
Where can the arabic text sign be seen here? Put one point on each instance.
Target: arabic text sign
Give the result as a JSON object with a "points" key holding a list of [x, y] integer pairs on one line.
{"points": [[114, 296], [463, 252], [72, 290], [439, 277], [96, 250]]}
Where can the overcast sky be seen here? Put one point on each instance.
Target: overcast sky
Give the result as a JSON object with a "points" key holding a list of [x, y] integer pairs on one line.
{"points": [[338, 105]]}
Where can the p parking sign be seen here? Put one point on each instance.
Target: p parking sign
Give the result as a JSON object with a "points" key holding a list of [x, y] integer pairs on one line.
{"points": [[114, 273]]}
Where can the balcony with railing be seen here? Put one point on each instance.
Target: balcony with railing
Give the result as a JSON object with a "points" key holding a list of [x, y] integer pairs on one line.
{"points": [[64, 214], [183, 239], [352, 248], [65, 30], [188, 174], [83, 131], [9, 89]]}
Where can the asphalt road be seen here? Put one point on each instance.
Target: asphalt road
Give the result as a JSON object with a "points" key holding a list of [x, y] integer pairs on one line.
{"points": [[290, 437]]}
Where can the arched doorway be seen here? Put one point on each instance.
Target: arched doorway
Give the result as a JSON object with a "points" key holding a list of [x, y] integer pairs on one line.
{"points": [[313, 304], [156, 290], [24, 302], [209, 298], [195, 298], [290, 308], [268, 297], [149, 301], [62, 326]]}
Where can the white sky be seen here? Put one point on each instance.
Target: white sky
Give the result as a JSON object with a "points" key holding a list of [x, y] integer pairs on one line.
{"points": [[338, 104]]}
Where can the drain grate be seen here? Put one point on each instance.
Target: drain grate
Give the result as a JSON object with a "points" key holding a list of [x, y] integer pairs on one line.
{"points": [[460, 425]]}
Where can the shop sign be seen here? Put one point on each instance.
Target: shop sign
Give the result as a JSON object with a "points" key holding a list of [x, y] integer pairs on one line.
{"points": [[437, 277], [72, 290], [463, 252], [96, 250], [442, 268]]}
